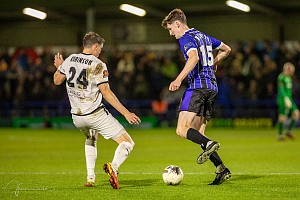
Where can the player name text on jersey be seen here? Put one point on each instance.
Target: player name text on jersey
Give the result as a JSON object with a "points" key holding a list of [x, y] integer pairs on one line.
{"points": [[81, 60]]}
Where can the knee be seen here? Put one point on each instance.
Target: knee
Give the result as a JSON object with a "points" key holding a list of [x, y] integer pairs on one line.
{"points": [[91, 134], [91, 142], [128, 145]]}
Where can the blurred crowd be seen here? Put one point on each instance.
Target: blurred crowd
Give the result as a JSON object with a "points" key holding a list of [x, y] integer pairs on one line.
{"points": [[249, 73]]}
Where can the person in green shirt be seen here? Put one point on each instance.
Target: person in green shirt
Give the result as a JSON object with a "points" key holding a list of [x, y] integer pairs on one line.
{"points": [[287, 108]]}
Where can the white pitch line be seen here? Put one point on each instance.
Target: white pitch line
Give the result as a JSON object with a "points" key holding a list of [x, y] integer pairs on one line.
{"points": [[146, 173], [234, 173]]}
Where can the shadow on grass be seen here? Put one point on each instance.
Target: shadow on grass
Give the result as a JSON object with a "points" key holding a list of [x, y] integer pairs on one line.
{"points": [[138, 183], [245, 177], [124, 184]]}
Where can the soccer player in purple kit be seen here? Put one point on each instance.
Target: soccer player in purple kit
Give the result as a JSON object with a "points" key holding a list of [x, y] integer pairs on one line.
{"points": [[197, 102]]}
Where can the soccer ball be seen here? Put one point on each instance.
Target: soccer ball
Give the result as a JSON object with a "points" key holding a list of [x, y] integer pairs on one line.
{"points": [[172, 175]]}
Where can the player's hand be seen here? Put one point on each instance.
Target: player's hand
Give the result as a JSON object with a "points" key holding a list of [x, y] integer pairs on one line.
{"points": [[132, 118], [58, 60], [287, 103], [174, 85]]}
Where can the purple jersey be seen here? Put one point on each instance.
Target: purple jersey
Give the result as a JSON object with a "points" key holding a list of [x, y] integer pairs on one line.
{"points": [[202, 76]]}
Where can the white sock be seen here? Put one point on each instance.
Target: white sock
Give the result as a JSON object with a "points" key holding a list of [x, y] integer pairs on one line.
{"points": [[90, 157], [121, 153]]}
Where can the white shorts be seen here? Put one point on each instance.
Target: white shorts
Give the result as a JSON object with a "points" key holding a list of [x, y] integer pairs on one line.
{"points": [[101, 121]]}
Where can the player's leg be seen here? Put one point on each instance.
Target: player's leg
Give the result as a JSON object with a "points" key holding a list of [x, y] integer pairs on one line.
{"points": [[200, 123], [294, 119], [110, 128], [282, 117], [186, 128], [192, 101], [196, 132], [123, 150], [184, 122], [206, 99], [281, 120], [126, 145], [82, 123], [223, 172], [91, 156]]}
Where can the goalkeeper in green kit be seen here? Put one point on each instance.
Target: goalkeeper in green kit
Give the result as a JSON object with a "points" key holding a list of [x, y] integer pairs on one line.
{"points": [[287, 109]]}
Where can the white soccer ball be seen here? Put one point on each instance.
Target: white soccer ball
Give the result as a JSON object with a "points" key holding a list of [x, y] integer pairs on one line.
{"points": [[172, 175]]}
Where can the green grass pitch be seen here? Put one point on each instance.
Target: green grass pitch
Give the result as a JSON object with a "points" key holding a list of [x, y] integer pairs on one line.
{"points": [[50, 164]]}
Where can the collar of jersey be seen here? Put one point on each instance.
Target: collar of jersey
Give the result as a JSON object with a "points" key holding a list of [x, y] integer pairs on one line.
{"points": [[86, 53], [188, 30]]}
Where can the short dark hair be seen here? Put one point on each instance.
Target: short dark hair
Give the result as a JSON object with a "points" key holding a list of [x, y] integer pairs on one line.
{"points": [[174, 15], [92, 38]]}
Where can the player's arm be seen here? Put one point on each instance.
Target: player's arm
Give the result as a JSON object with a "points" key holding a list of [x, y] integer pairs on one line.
{"points": [[111, 98], [282, 91], [58, 77], [189, 66], [223, 52]]}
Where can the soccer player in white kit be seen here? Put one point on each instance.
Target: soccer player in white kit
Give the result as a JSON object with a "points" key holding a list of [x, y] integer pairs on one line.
{"points": [[87, 83]]}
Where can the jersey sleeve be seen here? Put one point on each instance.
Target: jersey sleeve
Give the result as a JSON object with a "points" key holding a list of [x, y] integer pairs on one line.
{"points": [[187, 44], [216, 44], [101, 73]]}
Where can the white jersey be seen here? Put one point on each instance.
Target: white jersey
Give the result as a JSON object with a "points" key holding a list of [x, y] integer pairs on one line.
{"points": [[84, 72]]}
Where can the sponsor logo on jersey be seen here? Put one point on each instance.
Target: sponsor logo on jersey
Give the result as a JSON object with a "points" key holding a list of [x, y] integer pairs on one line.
{"points": [[98, 69]]}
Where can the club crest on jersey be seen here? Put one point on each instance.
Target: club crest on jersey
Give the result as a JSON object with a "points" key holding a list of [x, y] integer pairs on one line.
{"points": [[105, 74]]}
